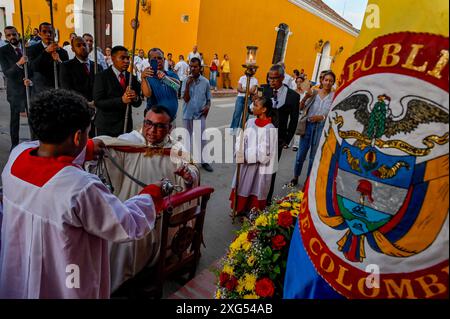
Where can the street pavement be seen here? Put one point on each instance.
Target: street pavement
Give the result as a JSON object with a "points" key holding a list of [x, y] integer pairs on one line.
{"points": [[218, 229]]}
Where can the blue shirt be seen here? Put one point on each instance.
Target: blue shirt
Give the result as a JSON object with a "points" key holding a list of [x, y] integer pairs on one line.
{"points": [[200, 96], [163, 94]]}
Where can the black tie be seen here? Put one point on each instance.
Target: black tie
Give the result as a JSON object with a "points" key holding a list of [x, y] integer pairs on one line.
{"points": [[275, 97]]}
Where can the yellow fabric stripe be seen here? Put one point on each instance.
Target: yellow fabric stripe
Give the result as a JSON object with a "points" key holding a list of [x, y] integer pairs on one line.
{"points": [[321, 182], [388, 248], [436, 168], [431, 218], [423, 16]]}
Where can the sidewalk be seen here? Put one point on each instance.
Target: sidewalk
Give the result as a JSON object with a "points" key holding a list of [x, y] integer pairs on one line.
{"points": [[224, 93]]}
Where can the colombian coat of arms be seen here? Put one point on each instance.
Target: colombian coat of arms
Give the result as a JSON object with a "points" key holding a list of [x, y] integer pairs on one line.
{"points": [[377, 203]]}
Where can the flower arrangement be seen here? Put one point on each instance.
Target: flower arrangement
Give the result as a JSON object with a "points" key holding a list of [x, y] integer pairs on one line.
{"points": [[255, 264]]}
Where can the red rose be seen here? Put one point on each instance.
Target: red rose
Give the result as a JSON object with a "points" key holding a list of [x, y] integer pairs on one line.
{"points": [[232, 283], [278, 242], [251, 235], [264, 288], [285, 219], [223, 278]]}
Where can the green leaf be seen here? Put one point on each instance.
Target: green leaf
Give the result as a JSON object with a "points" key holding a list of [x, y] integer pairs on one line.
{"points": [[276, 270], [275, 257]]}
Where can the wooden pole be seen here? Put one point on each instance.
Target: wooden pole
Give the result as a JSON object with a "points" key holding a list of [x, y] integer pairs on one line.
{"points": [[249, 73], [55, 63], [130, 82], [25, 68], [95, 37]]}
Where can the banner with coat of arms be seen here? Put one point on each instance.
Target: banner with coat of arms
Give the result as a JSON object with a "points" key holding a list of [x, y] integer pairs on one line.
{"points": [[378, 194]]}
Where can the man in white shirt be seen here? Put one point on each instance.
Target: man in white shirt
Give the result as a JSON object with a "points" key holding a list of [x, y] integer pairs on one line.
{"points": [[236, 123], [182, 70], [194, 54], [58, 218], [68, 47], [100, 57], [139, 64]]}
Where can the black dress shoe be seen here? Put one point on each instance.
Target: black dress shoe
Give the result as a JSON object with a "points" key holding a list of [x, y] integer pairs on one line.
{"points": [[207, 167]]}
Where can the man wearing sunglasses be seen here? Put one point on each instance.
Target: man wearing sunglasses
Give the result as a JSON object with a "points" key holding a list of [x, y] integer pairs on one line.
{"points": [[149, 155]]}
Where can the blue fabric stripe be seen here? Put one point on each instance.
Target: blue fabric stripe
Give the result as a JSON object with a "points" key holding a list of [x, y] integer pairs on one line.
{"points": [[301, 280]]}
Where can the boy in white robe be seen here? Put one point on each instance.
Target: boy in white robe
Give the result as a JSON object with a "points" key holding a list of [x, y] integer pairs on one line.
{"points": [[57, 218], [149, 156]]}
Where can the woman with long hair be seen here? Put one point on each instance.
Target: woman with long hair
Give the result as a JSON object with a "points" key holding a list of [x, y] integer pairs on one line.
{"points": [[315, 106], [213, 71]]}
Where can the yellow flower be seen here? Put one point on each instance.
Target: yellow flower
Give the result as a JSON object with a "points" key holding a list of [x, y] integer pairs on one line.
{"points": [[249, 281], [291, 195], [261, 221], [218, 294], [240, 286], [247, 245], [236, 245], [285, 204], [300, 196], [251, 296], [294, 213], [251, 260], [242, 237], [296, 206], [228, 270]]}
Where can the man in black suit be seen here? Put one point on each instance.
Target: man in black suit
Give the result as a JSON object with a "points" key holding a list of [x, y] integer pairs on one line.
{"points": [[286, 103], [42, 56], [112, 94], [78, 74], [12, 62]]}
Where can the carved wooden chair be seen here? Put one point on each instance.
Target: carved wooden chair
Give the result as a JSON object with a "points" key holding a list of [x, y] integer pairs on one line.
{"points": [[181, 255]]}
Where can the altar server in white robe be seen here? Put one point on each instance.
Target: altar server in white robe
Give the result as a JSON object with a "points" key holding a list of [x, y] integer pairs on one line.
{"points": [[256, 151], [149, 155], [57, 218]]}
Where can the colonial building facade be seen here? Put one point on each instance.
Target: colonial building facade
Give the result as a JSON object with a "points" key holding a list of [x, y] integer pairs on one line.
{"points": [[303, 33]]}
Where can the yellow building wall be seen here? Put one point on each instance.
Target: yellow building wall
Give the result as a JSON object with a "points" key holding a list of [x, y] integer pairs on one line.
{"points": [[37, 11], [229, 26], [163, 28]]}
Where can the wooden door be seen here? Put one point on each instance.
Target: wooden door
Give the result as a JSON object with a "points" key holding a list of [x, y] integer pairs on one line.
{"points": [[104, 23]]}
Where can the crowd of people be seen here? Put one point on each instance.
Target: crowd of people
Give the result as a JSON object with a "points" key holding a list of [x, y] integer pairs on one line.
{"points": [[94, 100]]}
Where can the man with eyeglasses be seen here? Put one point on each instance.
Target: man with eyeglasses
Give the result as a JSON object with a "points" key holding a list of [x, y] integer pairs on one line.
{"points": [[149, 155], [160, 87], [286, 104], [42, 56]]}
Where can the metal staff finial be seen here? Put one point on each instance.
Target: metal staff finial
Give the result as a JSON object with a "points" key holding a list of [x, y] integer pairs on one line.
{"points": [[135, 26]]}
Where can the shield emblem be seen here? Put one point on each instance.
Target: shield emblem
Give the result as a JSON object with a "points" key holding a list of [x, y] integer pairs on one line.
{"points": [[364, 206]]}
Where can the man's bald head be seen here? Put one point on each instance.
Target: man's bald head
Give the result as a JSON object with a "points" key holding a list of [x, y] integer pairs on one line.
{"points": [[80, 48]]}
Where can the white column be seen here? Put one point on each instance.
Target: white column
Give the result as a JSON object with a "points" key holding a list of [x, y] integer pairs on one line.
{"points": [[117, 22], [316, 67], [83, 17], [9, 10]]}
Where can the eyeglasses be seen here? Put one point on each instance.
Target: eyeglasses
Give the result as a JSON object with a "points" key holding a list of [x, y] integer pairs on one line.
{"points": [[159, 58], [158, 126], [273, 78]]}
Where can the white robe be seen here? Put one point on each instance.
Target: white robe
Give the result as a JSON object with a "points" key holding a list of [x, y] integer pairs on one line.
{"points": [[260, 145], [128, 259], [57, 218]]}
